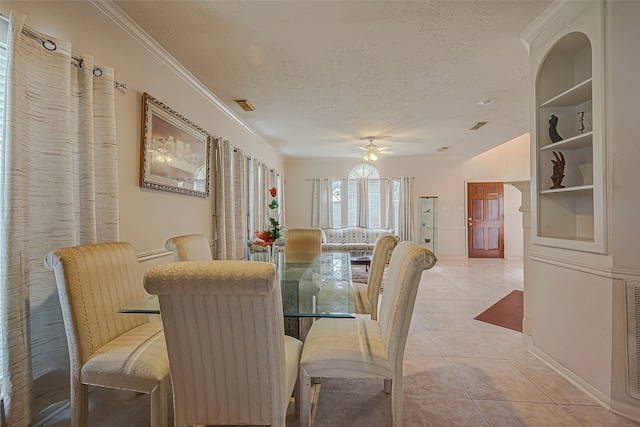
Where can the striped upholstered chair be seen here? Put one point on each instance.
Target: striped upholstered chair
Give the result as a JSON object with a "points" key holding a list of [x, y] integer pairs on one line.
{"points": [[106, 348], [231, 363], [366, 294], [365, 348], [190, 247]]}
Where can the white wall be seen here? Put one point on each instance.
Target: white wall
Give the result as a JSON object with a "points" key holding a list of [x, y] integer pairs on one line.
{"points": [[147, 217], [435, 175]]}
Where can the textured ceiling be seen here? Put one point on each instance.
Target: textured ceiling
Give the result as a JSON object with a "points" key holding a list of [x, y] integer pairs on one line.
{"points": [[324, 75]]}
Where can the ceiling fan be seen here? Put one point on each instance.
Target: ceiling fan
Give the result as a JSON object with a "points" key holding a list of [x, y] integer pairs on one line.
{"points": [[373, 150]]}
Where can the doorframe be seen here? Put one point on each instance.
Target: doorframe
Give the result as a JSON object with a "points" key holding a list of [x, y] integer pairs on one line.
{"points": [[466, 216]]}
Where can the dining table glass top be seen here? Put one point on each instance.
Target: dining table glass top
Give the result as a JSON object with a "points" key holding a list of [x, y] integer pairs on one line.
{"points": [[311, 285]]}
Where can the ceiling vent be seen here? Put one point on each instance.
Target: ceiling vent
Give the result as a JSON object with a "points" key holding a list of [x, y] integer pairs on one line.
{"points": [[478, 125], [245, 104]]}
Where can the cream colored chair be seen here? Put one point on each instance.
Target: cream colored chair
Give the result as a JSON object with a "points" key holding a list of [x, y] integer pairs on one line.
{"points": [[108, 349], [365, 348], [303, 241], [190, 247], [366, 294], [231, 363]]}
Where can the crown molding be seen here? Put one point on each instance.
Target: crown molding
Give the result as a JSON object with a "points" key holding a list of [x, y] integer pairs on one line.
{"points": [[117, 15]]}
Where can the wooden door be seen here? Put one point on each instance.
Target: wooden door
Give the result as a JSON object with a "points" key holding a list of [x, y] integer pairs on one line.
{"points": [[486, 219]]}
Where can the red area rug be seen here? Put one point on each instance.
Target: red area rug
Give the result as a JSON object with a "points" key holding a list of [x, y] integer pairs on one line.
{"points": [[507, 313]]}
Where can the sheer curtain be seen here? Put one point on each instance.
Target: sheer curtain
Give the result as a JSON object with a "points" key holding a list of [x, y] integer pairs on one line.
{"points": [[322, 203], [362, 203], [405, 210], [231, 201], [58, 186]]}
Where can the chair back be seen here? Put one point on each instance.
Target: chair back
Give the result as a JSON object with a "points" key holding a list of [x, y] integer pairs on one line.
{"points": [[303, 241], [94, 281], [408, 261], [224, 329], [190, 247], [384, 244]]}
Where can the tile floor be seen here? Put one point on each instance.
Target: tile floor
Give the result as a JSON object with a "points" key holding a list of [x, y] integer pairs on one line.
{"points": [[457, 371]]}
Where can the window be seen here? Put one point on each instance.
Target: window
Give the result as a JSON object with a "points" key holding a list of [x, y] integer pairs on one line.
{"points": [[336, 204], [364, 170]]}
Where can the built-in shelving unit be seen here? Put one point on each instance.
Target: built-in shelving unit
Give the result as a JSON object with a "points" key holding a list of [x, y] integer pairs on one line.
{"points": [[428, 222], [566, 86]]}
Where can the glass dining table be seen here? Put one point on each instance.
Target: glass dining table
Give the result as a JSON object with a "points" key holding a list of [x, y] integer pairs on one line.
{"points": [[311, 286]]}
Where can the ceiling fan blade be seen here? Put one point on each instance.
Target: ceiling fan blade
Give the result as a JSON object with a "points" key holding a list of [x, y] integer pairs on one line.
{"points": [[386, 152], [363, 148]]}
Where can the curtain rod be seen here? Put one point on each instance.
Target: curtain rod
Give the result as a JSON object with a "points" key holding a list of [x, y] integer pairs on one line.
{"points": [[51, 46], [353, 179]]}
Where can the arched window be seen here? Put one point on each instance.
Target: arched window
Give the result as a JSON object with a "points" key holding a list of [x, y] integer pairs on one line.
{"points": [[374, 208]]}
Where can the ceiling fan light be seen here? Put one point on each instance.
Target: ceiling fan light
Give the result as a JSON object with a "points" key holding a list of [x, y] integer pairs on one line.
{"points": [[371, 156]]}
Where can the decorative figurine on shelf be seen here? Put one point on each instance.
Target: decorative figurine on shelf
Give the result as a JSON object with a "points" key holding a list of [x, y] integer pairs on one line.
{"points": [[558, 170], [581, 127], [553, 133]]}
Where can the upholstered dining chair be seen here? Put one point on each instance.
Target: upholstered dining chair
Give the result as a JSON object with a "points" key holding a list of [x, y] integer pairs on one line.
{"points": [[303, 241], [108, 349], [366, 295], [231, 362], [190, 247], [365, 348]]}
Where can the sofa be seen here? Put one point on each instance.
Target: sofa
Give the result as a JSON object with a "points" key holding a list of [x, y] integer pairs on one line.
{"points": [[346, 239], [351, 239]]}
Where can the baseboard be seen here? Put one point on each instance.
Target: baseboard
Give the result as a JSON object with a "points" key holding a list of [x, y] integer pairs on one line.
{"points": [[620, 408], [625, 410], [597, 395]]}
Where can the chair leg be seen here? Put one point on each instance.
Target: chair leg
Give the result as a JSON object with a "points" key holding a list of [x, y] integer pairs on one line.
{"points": [[305, 399], [396, 401], [79, 404], [159, 403], [296, 397], [388, 383]]}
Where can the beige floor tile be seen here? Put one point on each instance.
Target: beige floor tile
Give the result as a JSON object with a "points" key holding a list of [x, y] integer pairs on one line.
{"points": [[472, 286], [430, 376], [495, 379], [469, 307], [352, 410], [419, 343], [516, 414], [480, 326], [441, 321], [441, 412], [552, 384], [448, 294], [511, 344], [597, 416], [463, 344], [425, 305]]}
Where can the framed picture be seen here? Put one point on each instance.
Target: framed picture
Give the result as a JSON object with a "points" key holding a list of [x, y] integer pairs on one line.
{"points": [[175, 151]]}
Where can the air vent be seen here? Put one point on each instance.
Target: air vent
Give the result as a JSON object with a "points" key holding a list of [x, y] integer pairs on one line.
{"points": [[633, 336], [244, 104], [478, 125], [441, 149]]}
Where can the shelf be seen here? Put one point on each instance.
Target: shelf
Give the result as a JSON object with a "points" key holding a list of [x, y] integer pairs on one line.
{"points": [[570, 98], [427, 232], [578, 141], [566, 190]]}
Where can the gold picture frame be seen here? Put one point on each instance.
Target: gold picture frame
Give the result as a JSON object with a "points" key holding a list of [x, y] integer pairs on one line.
{"points": [[175, 151]]}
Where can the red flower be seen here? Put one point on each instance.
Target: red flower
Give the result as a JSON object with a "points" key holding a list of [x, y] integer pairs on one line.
{"points": [[272, 191], [265, 237]]}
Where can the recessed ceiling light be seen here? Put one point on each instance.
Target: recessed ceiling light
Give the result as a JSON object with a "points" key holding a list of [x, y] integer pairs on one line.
{"points": [[486, 101]]}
